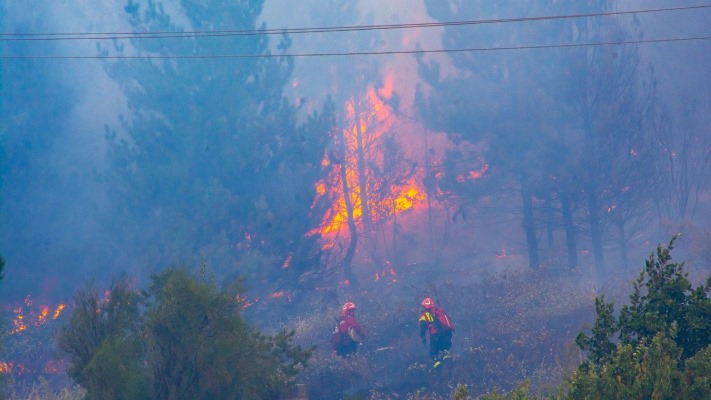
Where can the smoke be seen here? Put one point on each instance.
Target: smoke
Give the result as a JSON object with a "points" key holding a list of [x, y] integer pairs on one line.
{"points": [[59, 229], [55, 207], [316, 78], [52, 232]]}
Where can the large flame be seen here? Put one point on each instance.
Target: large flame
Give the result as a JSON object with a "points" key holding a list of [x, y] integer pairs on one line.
{"points": [[370, 119]]}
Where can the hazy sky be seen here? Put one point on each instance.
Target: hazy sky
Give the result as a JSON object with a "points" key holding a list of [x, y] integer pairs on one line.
{"points": [[99, 100]]}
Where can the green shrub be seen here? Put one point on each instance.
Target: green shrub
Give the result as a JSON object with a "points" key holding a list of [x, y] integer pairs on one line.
{"points": [[658, 348], [184, 338]]}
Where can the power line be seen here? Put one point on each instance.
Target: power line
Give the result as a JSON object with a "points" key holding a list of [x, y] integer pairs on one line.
{"points": [[221, 33], [368, 53]]}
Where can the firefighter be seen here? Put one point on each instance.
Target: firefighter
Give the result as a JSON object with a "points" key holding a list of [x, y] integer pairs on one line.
{"points": [[348, 333], [435, 323]]}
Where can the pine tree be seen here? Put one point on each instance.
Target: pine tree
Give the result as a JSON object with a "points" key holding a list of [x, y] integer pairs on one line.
{"points": [[659, 345], [211, 158]]}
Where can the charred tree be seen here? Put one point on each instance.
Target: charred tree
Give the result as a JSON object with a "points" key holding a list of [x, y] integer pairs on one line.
{"points": [[569, 226], [529, 225], [595, 229], [362, 170], [352, 228], [616, 100], [501, 103], [685, 154]]}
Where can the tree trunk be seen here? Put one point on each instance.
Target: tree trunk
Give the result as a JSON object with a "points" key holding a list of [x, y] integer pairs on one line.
{"points": [[362, 177], [595, 231], [550, 237], [571, 245], [429, 183], [352, 228], [623, 242], [529, 226], [348, 259], [430, 223]]}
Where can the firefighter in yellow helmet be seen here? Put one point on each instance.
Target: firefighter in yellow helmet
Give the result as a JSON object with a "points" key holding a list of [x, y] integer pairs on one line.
{"points": [[435, 323]]}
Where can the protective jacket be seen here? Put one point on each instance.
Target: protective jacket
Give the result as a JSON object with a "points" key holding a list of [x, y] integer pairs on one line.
{"points": [[440, 335], [347, 335]]}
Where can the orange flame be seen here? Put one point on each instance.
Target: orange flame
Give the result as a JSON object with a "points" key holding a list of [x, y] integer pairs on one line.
{"points": [[6, 367], [369, 121], [18, 321], [58, 311], [43, 315], [387, 270], [33, 317], [286, 263], [478, 174]]}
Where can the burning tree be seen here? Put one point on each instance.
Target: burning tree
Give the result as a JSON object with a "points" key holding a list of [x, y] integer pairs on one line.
{"points": [[370, 180]]}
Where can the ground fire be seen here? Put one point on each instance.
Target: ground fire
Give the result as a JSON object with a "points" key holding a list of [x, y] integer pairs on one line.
{"points": [[31, 323]]}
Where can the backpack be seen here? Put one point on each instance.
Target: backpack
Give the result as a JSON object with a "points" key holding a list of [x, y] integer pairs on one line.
{"points": [[338, 339], [342, 337], [442, 320]]}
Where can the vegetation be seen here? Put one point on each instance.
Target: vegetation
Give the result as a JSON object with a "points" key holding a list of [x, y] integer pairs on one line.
{"points": [[509, 327], [182, 338], [225, 145], [44, 390], [544, 159], [256, 166], [185, 337], [658, 347]]}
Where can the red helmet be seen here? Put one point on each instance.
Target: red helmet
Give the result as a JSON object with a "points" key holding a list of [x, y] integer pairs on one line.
{"points": [[427, 303], [347, 307]]}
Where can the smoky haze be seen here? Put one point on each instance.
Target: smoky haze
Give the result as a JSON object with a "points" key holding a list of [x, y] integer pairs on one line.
{"points": [[334, 172]]}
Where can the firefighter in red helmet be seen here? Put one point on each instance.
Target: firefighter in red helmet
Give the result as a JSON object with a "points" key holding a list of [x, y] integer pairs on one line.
{"points": [[435, 323], [348, 333]]}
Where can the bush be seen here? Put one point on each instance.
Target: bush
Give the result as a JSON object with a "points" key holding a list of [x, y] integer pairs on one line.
{"points": [[102, 339], [186, 340], [662, 297], [659, 345]]}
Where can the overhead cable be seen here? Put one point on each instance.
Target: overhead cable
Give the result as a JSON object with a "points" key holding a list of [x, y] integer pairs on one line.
{"points": [[352, 28], [367, 53]]}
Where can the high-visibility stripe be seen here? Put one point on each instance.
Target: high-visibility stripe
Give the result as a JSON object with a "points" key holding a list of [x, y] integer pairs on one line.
{"points": [[427, 317]]}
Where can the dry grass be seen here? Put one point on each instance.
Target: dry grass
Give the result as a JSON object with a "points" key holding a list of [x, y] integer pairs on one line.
{"points": [[510, 327]]}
